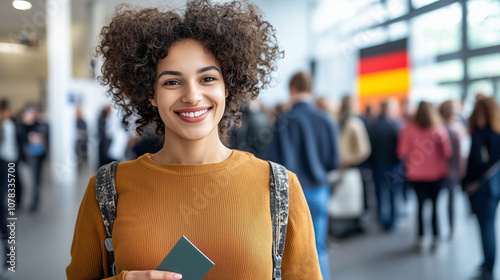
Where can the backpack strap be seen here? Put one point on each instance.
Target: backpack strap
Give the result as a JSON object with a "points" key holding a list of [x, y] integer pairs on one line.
{"points": [[106, 195], [278, 181]]}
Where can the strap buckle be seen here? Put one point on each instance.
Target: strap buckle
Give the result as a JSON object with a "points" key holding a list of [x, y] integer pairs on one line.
{"points": [[277, 267]]}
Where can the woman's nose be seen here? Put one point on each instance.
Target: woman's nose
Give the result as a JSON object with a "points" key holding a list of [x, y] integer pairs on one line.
{"points": [[192, 95]]}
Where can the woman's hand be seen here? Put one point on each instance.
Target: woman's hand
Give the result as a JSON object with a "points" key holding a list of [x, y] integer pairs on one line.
{"points": [[151, 275]]}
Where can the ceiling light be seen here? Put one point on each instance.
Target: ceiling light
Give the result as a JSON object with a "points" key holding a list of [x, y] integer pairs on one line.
{"points": [[12, 48], [21, 5]]}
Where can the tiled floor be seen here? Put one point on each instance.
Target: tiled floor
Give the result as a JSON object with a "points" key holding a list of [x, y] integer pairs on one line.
{"points": [[44, 240]]}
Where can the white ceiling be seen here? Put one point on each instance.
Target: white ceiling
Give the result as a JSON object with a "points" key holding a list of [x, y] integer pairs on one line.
{"points": [[12, 21]]}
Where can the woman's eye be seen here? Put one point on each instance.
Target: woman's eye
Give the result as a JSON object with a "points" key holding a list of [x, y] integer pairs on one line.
{"points": [[171, 83], [208, 79]]}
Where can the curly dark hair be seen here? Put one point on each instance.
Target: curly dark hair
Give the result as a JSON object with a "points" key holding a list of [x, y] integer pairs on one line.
{"points": [[136, 39]]}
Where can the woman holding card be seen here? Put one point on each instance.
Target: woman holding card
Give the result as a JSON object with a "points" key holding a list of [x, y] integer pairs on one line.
{"points": [[188, 74]]}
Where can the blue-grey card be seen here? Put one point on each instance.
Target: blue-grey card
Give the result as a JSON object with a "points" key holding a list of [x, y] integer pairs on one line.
{"points": [[187, 260]]}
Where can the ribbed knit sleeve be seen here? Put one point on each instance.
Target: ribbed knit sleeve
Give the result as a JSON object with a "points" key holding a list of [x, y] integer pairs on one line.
{"points": [[88, 254], [300, 259]]}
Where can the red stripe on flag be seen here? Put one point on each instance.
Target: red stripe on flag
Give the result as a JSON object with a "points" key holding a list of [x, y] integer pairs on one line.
{"points": [[384, 62]]}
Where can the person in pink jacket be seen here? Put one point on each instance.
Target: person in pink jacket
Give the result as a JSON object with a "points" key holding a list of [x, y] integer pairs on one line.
{"points": [[425, 148]]}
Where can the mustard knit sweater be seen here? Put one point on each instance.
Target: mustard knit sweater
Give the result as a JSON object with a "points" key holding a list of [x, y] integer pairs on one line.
{"points": [[222, 208]]}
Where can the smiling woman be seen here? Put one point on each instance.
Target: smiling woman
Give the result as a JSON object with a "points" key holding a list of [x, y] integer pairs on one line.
{"points": [[233, 33], [188, 74], [190, 93]]}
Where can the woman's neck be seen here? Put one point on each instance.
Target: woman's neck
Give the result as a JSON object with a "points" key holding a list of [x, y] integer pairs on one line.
{"points": [[203, 151]]}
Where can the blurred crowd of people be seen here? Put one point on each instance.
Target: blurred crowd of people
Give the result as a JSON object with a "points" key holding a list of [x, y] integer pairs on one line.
{"points": [[24, 138], [427, 149], [380, 155]]}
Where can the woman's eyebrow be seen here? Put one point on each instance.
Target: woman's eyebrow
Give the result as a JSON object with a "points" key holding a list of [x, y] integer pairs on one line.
{"points": [[205, 69], [175, 73]]}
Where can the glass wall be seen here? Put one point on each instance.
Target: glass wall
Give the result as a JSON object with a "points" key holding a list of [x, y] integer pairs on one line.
{"points": [[398, 30], [397, 8], [451, 56], [485, 87], [420, 3], [497, 87], [431, 35], [484, 66], [483, 23]]}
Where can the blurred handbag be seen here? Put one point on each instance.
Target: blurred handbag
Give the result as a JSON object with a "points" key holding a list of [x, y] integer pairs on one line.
{"points": [[472, 187], [346, 200]]}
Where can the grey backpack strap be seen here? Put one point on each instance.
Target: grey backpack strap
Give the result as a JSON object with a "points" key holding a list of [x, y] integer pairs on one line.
{"points": [[278, 181], [106, 195]]}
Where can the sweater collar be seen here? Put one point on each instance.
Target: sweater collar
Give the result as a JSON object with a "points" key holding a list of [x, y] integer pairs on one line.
{"points": [[236, 159]]}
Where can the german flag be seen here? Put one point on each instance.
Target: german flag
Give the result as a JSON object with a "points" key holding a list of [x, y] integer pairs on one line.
{"points": [[383, 73]]}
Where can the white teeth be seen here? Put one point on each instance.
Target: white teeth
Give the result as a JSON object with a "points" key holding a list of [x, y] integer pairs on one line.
{"points": [[194, 114]]}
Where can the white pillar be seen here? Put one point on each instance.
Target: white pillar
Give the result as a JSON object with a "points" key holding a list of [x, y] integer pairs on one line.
{"points": [[63, 161]]}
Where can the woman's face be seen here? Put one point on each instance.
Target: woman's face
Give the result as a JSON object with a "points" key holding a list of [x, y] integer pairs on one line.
{"points": [[189, 92]]}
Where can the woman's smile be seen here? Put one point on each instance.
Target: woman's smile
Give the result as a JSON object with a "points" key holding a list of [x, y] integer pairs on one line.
{"points": [[193, 115]]}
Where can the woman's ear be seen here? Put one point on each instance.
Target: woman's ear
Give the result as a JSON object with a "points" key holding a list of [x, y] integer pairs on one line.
{"points": [[152, 100], [227, 92]]}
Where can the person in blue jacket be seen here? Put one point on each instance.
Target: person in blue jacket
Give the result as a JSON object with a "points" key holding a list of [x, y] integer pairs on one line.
{"points": [[305, 140]]}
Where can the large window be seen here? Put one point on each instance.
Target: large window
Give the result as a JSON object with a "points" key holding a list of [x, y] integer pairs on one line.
{"points": [[436, 93], [437, 32], [485, 87], [430, 37], [484, 66], [372, 37], [483, 23], [398, 30], [438, 52], [498, 91], [397, 8], [448, 71], [437, 82], [420, 3]]}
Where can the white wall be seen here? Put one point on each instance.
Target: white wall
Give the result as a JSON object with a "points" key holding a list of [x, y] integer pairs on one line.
{"points": [[290, 18], [93, 98], [336, 54], [22, 75], [20, 91], [336, 67]]}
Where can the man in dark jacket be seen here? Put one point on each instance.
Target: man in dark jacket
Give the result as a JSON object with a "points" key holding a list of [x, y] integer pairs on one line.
{"points": [[305, 141], [386, 166]]}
